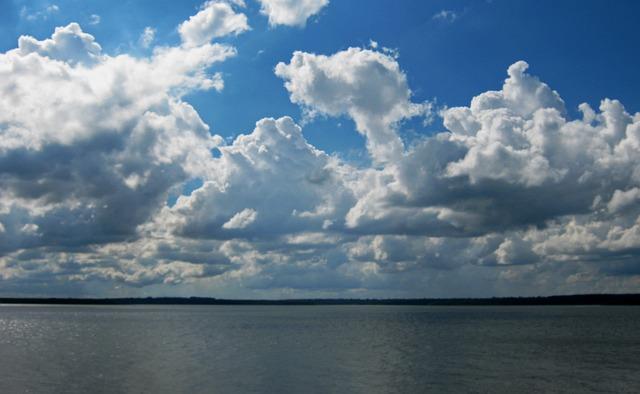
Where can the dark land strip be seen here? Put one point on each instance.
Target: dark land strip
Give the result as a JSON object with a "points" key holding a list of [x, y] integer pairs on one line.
{"points": [[578, 299]]}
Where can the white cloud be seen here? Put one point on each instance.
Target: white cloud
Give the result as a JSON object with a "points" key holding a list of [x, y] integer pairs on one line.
{"points": [[29, 228], [624, 199], [446, 16], [147, 36], [69, 44], [512, 183], [294, 187], [44, 13], [216, 19], [241, 219], [94, 19], [291, 12], [508, 159], [92, 143], [366, 85]]}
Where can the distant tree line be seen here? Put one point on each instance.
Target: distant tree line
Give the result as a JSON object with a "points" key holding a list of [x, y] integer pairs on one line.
{"points": [[578, 299]]}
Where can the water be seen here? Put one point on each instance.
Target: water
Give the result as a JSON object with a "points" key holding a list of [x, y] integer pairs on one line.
{"points": [[318, 349]]}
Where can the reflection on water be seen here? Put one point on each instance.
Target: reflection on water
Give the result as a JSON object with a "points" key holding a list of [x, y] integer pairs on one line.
{"points": [[366, 349]]}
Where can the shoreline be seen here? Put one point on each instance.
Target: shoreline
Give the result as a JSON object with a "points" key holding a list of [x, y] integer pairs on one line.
{"points": [[577, 299]]}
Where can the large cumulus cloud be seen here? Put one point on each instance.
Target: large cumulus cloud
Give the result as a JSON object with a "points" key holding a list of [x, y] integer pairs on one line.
{"points": [[511, 159], [511, 172], [91, 144], [366, 85], [266, 183]]}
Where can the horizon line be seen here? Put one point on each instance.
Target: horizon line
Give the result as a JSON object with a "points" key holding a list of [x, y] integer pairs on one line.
{"points": [[564, 299]]}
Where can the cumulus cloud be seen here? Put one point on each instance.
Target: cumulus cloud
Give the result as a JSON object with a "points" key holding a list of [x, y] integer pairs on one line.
{"points": [[293, 187], [92, 144], [624, 199], [508, 160], [366, 85], [215, 19], [512, 169], [291, 12], [513, 185], [69, 44]]}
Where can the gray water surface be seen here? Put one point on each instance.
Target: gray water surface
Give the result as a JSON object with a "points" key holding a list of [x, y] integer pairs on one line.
{"points": [[318, 349]]}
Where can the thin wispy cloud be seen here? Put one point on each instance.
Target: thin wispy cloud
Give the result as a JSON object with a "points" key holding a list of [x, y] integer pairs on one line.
{"points": [[34, 14], [94, 19], [147, 37], [446, 16]]}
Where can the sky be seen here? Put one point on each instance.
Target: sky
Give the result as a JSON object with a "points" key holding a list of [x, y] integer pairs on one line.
{"points": [[319, 148]]}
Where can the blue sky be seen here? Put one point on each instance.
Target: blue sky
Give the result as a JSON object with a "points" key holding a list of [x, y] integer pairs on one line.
{"points": [[269, 148]]}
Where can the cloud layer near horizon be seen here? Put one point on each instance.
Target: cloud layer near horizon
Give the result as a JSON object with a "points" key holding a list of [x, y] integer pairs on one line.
{"points": [[513, 197]]}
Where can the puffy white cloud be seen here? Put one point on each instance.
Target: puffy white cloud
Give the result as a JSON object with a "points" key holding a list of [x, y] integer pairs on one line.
{"points": [[522, 94], [266, 183], [68, 44], [510, 159], [291, 12], [366, 85], [398, 253], [92, 144], [624, 199], [515, 250], [216, 19], [513, 183]]}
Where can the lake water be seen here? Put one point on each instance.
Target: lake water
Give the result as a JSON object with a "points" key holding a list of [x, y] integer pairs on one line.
{"points": [[318, 349]]}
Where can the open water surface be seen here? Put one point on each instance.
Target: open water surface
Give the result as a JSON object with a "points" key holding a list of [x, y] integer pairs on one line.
{"points": [[318, 349]]}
